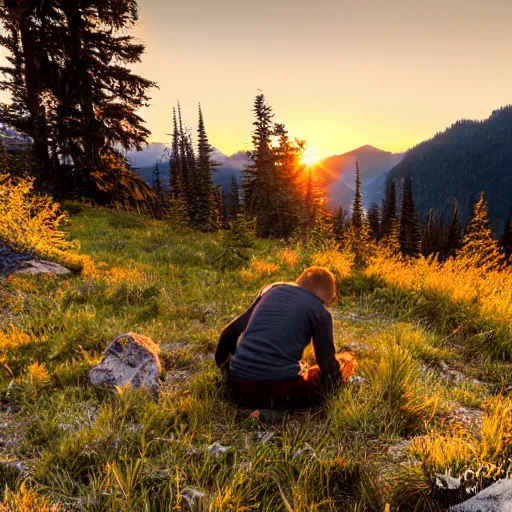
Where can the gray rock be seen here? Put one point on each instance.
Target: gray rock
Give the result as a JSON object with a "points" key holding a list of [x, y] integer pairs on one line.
{"points": [[218, 450], [193, 498], [16, 262], [40, 267], [357, 381], [495, 498], [130, 359]]}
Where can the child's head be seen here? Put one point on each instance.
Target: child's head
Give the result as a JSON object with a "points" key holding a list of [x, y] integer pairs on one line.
{"points": [[321, 282]]}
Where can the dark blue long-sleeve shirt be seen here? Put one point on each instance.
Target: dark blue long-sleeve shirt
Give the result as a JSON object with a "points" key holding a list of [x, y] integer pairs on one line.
{"points": [[276, 329]]}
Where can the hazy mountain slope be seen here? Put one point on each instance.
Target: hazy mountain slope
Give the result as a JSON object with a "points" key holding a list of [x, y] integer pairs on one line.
{"points": [[372, 163], [458, 163], [338, 172]]}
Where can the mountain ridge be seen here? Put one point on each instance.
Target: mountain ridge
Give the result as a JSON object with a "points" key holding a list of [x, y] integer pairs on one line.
{"points": [[456, 164]]}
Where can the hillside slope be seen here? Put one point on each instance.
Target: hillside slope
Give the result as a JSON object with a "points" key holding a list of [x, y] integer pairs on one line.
{"points": [[116, 450], [458, 163]]}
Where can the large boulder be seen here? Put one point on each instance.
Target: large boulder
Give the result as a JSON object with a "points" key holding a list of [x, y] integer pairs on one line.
{"points": [[495, 498], [130, 359]]}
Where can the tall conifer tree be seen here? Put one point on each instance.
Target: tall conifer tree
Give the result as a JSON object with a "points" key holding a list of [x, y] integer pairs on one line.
{"points": [[357, 205], [410, 235], [204, 182], [260, 173], [74, 59]]}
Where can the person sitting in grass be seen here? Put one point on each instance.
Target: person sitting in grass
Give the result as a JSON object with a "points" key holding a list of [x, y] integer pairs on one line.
{"points": [[260, 351]]}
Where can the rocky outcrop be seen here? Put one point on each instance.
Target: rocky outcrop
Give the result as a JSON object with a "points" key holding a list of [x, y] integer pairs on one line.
{"points": [[15, 262], [495, 498], [130, 359]]}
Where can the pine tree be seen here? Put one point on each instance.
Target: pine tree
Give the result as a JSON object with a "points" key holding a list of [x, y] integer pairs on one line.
{"points": [[409, 223], [259, 180], [357, 205], [454, 237], [203, 183], [430, 236], [175, 180], [388, 208], [74, 58], [177, 196], [506, 240], [234, 208], [374, 222], [287, 187], [187, 167], [478, 245]]}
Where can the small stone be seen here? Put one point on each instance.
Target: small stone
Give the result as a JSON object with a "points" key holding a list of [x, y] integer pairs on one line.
{"points": [[217, 450], [192, 497], [356, 346], [300, 451], [263, 437], [130, 359], [357, 380]]}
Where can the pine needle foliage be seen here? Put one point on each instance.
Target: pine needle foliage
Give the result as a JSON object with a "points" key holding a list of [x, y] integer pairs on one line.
{"points": [[478, 245]]}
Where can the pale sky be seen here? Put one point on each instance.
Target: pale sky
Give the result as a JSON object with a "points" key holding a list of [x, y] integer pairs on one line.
{"points": [[338, 73]]}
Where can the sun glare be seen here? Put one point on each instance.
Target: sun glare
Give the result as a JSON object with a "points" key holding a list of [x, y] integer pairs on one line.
{"points": [[310, 157]]}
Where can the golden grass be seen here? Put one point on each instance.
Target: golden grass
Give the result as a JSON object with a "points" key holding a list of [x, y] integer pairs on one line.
{"points": [[456, 449], [27, 500], [457, 279], [264, 267], [289, 256], [338, 263]]}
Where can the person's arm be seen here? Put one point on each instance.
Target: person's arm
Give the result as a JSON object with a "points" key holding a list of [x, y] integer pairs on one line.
{"points": [[230, 334], [323, 343]]}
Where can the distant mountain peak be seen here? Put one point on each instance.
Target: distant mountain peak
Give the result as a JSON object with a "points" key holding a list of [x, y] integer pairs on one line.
{"points": [[367, 148]]}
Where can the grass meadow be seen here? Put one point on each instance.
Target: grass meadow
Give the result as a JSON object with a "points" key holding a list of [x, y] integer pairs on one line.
{"points": [[433, 343]]}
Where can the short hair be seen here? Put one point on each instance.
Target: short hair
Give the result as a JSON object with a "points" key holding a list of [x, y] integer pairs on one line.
{"points": [[317, 277]]}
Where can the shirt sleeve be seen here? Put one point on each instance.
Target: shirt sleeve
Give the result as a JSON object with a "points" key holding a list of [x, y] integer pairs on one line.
{"points": [[323, 343], [229, 335]]}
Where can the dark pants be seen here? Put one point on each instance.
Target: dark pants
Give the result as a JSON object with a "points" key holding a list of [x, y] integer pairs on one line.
{"points": [[307, 390]]}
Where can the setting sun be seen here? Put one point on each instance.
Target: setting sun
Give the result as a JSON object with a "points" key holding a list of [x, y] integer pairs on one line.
{"points": [[310, 156]]}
